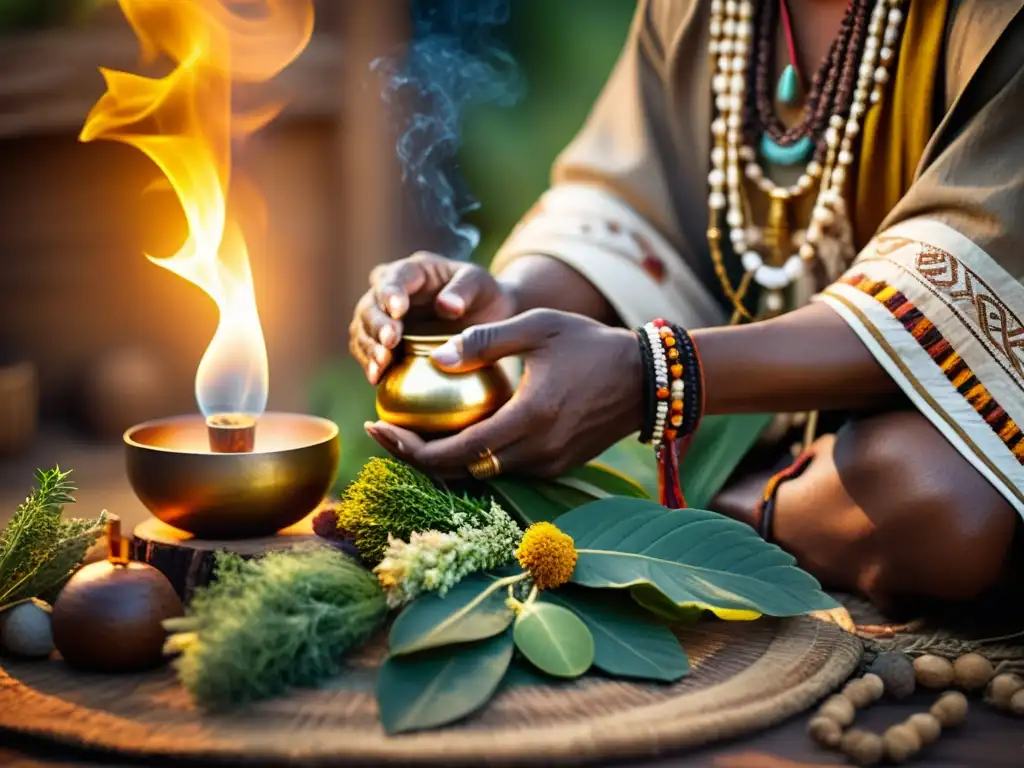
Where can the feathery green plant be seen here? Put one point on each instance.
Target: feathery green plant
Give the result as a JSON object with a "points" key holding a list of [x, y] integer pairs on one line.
{"points": [[39, 549], [280, 621], [390, 497]]}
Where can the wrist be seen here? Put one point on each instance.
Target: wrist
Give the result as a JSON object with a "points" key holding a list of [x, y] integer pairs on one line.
{"points": [[631, 362]]}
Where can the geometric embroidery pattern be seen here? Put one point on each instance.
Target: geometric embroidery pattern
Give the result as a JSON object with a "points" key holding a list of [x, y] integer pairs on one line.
{"points": [[956, 370], [951, 278]]}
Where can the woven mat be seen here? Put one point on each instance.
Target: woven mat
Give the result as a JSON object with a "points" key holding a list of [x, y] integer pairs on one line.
{"points": [[746, 676]]}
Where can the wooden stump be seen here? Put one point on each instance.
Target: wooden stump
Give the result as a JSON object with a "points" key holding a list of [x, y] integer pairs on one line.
{"points": [[188, 561]]}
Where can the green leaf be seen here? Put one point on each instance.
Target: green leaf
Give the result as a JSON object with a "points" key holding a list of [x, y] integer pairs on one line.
{"points": [[650, 599], [532, 500], [631, 458], [464, 614], [564, 495], [440, 686], [694, 557], [599, 481], [522, 674], [521, 499], [554, 639], [718, 447], [628, 642]]}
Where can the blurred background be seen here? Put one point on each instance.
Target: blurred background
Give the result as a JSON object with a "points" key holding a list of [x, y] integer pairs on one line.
{"points": [[94, 338]]}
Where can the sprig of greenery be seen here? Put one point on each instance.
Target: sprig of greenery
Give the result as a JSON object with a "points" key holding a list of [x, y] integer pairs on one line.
{"points": [[435, 561], [390, 498], [266, 625], [39, 549]]}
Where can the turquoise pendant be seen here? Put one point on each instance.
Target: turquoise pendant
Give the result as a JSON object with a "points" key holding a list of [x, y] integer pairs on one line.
{"points": [[798, 153], [788, 89]]}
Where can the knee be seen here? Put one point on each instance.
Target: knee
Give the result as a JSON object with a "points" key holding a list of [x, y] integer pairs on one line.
{"points": [[938, 528]]}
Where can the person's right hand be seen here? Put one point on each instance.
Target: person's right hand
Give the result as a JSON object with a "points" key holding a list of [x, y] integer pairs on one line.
{"points": [[422, 286]]}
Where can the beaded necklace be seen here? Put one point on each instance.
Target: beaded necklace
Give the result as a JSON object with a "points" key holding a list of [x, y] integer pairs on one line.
{"points": [[771, 256]]}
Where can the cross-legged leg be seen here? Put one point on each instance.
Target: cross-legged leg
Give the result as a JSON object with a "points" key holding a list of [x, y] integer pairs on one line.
{"points": [[890, 509]]}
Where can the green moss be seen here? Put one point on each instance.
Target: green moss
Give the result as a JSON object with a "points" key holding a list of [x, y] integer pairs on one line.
{"points": [[284, 620]]}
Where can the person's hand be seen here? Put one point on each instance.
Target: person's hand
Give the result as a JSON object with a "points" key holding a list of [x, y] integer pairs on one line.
{"points": [[422, 286], [580, 393]]}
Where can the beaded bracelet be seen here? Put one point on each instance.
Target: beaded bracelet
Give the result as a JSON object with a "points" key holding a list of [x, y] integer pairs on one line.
{"points": [[673, 393], [656, 384], [661, 382], [673, 399], [693, 382]]}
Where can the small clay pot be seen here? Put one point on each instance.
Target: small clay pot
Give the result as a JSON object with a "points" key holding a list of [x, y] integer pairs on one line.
{"points": [[108, 617]]}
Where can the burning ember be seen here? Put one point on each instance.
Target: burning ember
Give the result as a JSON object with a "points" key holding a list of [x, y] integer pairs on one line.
{"points": [[184, 123]]}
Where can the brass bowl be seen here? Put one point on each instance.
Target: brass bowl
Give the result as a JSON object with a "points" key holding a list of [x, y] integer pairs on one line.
{"points": [[419, 396], [232, 495]]}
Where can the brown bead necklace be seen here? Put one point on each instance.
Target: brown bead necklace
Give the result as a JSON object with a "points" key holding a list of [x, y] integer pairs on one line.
{"points": [[832, 87]]}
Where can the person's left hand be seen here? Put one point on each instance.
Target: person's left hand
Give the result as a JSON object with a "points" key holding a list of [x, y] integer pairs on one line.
{"points": [[580, 393]]}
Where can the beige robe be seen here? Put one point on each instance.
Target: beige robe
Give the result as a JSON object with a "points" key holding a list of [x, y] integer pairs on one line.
{"points": [[936, 295]]}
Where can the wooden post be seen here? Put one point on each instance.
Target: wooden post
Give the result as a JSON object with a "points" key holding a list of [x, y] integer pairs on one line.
{"points": [[370, 213]]}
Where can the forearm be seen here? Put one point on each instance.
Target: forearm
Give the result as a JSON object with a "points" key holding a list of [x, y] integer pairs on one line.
{"points": [[543, 282], [803, 361]]}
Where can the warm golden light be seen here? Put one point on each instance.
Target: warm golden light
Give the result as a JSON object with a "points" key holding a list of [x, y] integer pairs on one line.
{"points": [[184, 123]]}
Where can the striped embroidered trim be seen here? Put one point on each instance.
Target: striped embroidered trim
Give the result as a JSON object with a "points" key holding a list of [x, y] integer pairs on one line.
{"points": [[941, 351]]}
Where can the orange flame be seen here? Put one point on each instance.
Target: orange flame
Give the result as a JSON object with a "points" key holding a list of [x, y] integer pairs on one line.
{"points": [[184, 123]]}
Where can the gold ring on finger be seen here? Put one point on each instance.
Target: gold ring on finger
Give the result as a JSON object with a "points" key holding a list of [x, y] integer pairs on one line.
{"points": [[486, 467]]}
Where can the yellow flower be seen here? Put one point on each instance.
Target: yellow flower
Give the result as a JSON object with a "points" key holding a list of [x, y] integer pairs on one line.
{"points": [[548, 554]]}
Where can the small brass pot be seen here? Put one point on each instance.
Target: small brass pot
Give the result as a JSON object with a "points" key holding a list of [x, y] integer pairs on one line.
{"points": [[417, 395]]}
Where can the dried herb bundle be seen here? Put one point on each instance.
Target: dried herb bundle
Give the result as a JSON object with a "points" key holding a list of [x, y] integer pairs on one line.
{"points": [[39, 549], [265, 625], [390, 497]]}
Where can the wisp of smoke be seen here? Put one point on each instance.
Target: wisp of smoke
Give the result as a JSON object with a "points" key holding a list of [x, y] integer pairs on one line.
{"points": [[452, 61]]}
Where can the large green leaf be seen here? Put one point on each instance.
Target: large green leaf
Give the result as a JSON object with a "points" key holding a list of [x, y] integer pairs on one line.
{"points": [[532, 500], [694, 557], [719, 445], [522, 674], [565, 496], [631, 458], [442, 685], [554, 639], [599, 481], [652, 600], [628, 641], [464, 614], [521, 499]]}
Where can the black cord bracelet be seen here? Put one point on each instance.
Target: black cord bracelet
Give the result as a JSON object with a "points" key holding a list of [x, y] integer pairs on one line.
{"points": [[693, 382], [647, 365]]}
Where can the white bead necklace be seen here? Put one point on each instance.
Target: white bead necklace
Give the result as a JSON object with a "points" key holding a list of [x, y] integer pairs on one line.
{"points": [[730, 45]]}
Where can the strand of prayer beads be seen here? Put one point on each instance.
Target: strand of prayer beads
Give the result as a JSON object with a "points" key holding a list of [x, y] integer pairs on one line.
{"points": [[894, 674], [830, 727]]}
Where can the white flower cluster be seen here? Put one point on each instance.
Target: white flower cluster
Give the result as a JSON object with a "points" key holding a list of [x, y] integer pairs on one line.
{"points": [[436, 561]]}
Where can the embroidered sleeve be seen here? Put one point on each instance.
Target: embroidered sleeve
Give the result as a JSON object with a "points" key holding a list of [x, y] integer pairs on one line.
{"points": [[937, 296]]}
